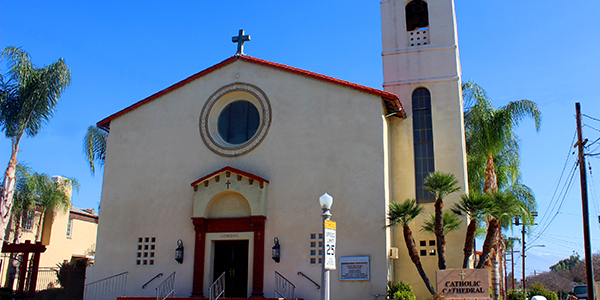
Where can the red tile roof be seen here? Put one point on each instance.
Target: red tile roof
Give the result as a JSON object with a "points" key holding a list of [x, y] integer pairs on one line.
{"points": [[392, 102]]}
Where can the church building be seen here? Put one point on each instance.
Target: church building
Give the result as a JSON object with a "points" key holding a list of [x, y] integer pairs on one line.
{"points": [[227, 166]]}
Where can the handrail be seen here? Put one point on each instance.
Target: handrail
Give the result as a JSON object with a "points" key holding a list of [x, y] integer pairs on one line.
{"points": [[111, 285], [302, 274], [155, 277], [166, 288], [282, 287], [217, 288]]}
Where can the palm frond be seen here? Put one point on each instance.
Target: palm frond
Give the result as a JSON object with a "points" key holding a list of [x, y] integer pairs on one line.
{"points": [[403, 213], [441, 184], [452, 222], [94, 147]]}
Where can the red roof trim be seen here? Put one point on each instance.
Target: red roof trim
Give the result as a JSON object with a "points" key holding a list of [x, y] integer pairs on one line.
{"points": [[105, 124], [391, 100], [232, 170]]}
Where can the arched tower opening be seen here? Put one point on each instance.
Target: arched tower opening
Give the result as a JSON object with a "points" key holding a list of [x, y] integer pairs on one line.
{"points": [[417, 23]]}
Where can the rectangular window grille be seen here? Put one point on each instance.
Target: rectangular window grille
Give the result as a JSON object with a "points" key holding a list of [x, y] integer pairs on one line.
{"points": [[69, 228], [316, 252], [146, 247], [427, 248], [27, 220]]}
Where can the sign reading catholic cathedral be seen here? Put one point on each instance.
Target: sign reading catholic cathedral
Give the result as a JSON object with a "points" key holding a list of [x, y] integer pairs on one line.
{"points": [[464, 283]]}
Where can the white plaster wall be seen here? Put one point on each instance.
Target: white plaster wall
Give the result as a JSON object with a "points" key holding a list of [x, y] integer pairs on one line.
{"points": [[323, 138]]}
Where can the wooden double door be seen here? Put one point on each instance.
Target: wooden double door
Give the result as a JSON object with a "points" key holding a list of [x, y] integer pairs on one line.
{"points": [[231, 257]]}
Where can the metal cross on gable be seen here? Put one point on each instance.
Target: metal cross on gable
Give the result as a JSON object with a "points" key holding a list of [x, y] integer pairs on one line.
{"points": [[240, 39]]}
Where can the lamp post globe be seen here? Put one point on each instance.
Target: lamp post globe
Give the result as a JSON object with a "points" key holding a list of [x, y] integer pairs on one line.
{"points": [[326, 201]]}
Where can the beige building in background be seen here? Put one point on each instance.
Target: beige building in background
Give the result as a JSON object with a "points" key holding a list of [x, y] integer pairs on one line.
{"points": [[236, 156], [68, 236]]}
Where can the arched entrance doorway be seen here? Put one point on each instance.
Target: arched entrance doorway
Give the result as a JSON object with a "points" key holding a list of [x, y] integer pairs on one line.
{"points": [[229, 222]]}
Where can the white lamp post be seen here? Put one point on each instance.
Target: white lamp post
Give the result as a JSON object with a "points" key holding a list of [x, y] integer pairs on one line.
{"points": [[326, 201]]}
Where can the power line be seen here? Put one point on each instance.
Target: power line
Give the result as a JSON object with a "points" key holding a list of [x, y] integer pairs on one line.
{"points": [[588, 126], [590, 117], [593, 195], [569, 153], [568, 185]]}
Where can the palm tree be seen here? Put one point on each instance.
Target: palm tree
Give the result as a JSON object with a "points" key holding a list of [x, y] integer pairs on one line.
{"points": [[440, 185], [94, 147], [474, 206], [505, 206], [29, 96], [403, 214], [24, 198], [23, 202], [52, 195], [490, 135]]}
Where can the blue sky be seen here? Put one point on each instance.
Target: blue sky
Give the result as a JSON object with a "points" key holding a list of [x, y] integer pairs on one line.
{"points": [[120, 52]]}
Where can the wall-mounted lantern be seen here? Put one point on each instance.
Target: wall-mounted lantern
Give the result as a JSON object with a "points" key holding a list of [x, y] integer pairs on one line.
{"points": [[276, 250], [179, 251]]}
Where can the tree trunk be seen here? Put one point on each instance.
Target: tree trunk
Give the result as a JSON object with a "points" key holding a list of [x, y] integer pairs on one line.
{"points": [[414, 256], [18, 230], [498, 269], [8, 189], [439, 234], [491, 181], [469, 243], [495, 276], [39, 228], [490, 241]]}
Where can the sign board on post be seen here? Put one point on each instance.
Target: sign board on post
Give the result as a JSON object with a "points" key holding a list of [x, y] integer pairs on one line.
{"points": [[464, 283], [354, 268], [329, 244]]}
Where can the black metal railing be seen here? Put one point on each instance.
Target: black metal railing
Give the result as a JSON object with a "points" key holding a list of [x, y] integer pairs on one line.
{"points": [[316, 284], [283, 287], [166, 288], [110, 286], [217, 289], [159, 275]]}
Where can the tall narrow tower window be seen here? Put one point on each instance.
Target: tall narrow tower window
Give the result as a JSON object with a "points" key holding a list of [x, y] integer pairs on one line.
{"points": [[423, 141], [417, 15]]}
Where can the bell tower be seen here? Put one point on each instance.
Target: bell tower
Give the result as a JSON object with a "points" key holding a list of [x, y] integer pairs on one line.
{"points": [[421, 65]]}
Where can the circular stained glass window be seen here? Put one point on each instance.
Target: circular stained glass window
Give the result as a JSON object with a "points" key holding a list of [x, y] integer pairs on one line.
{"points": [[235, 119], [238, 122]]}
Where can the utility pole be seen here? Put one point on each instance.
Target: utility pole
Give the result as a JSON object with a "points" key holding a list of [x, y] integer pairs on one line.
{"points": [[584, 203], [523, 243], [512, 262]]}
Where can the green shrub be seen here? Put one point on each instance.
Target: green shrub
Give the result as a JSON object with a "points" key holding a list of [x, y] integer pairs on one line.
{"points": [[539, 289], [404, 295], [400, 291], [516, 295]]}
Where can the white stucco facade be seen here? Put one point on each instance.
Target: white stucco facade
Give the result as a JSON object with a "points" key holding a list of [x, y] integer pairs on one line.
{"points": [[171, 174], [323, 137]]}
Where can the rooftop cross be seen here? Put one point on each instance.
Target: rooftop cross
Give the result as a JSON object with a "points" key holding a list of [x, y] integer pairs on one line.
{"points": [[240, 39]]}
